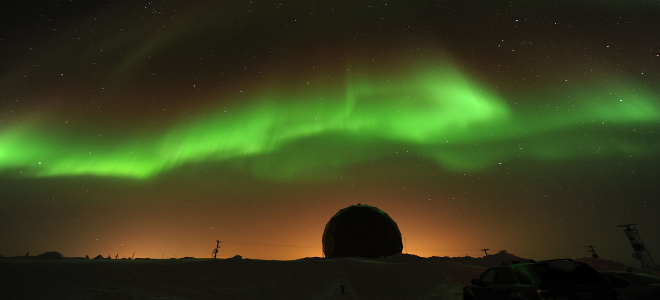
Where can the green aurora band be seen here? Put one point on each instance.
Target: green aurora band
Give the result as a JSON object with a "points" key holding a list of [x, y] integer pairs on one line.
{"points": [[439, 115]]}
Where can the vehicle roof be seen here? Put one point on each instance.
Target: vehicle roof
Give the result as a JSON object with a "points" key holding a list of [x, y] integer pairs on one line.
{"points": [[531, 261]]}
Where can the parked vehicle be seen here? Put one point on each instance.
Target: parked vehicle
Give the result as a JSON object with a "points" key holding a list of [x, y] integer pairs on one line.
{"points": [[558, 279], [634, 286]]}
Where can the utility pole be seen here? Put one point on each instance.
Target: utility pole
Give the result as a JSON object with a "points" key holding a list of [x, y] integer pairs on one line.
{"points": [[485, 251], [593, 252], [641, 253]]}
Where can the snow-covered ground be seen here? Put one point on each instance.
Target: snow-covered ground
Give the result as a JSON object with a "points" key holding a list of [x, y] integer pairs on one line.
{"points": [[398, 277]]}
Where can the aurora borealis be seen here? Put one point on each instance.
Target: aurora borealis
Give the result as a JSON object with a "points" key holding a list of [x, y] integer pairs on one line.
{"points": [[423, 113], [159, 127]]}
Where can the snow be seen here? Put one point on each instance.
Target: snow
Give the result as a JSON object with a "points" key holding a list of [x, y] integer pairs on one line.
{"points": [[399, 277]]}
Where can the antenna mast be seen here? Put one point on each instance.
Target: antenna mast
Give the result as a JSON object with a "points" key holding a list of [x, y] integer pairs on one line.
{"points": [[641, 253], [217, 248], [593, 252], [485, 251]]}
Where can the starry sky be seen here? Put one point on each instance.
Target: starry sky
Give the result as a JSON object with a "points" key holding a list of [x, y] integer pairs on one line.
{"points": [[159, 127]]}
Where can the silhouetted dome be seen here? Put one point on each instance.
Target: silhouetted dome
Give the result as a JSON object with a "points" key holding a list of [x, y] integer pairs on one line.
{"points": [[361, 230]]}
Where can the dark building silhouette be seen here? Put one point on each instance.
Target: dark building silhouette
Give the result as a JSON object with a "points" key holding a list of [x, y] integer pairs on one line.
{"points": [[361, 230]]}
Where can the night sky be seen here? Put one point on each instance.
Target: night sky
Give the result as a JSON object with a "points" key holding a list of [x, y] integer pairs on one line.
{"points": [[159, 127]]}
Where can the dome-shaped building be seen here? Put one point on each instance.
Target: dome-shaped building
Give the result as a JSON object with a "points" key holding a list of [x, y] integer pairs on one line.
{"points": [[363, 231]]}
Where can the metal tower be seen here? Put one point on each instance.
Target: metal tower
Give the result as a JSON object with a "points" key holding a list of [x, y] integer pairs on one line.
{"points": [[641, 253], [217, 248]]}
